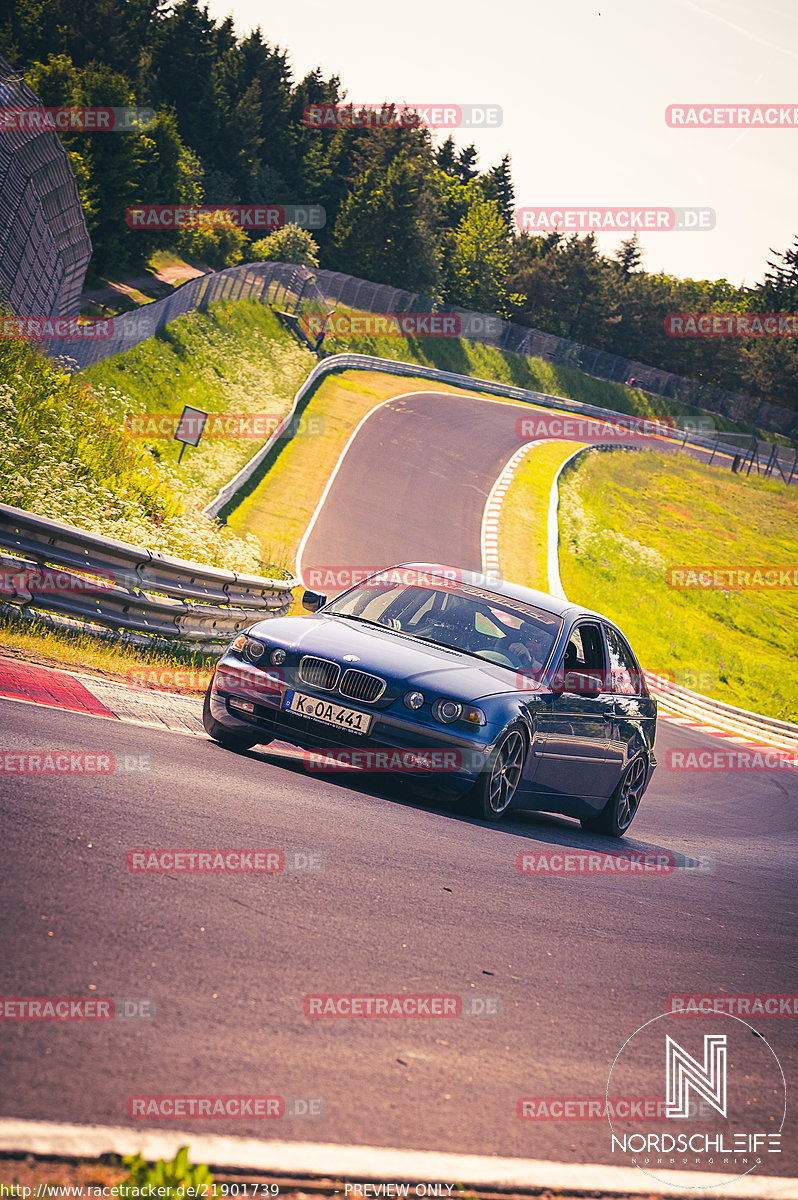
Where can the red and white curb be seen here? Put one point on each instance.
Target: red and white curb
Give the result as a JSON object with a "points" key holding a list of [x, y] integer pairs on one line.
{"points": [[331, 1161], [89, 695], [489, 535]]}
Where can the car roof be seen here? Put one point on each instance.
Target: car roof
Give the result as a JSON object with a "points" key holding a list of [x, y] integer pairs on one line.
{"points": [[502, 587]]}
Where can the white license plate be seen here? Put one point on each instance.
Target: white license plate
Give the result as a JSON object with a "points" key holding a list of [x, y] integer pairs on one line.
{"points": [[327, 712]]}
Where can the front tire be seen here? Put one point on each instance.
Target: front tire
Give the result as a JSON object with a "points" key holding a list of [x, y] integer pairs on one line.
{"points": [[618, 813], [221, 734], [493, 792]]}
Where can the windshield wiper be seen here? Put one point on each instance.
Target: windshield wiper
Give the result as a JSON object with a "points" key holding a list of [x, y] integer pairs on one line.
{"points": [[447, 646], [352, 617]]}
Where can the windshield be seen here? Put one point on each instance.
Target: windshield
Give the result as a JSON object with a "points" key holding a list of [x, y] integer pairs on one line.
{"points": [[461, 617]]}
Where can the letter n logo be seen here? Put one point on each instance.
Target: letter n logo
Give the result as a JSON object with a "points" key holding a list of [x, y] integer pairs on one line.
{"points": [[684, 1072]]}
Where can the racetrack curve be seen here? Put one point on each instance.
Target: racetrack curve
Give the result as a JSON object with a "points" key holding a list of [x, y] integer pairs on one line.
{"points": [[413, 482], [413, 897]]}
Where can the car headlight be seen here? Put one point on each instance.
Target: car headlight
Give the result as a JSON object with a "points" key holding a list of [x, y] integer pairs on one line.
{"points": [[277, 657], [448, 711], [413, 700], [249, 647]]}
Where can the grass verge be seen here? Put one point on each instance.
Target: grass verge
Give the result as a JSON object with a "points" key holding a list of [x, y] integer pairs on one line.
{"points": [[169, 667], [524, 516], [234, 359], [627, 518]]}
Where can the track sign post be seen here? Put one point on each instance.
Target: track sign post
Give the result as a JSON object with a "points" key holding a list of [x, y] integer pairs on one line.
{"points": [[190, 427]]}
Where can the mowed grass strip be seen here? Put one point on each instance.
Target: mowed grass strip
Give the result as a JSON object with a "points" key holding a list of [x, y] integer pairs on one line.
{"points": [[628, 518], [524, 515]]}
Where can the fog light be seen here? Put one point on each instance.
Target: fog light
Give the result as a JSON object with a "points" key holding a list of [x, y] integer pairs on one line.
{"points": [[413, 700], [277, 657], [244, 705]]}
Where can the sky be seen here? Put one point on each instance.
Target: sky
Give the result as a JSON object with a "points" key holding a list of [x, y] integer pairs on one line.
{"points": [[583, 86]]}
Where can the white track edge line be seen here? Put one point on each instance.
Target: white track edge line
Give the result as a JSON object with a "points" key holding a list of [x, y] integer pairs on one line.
{"points": [[325, 1160]]}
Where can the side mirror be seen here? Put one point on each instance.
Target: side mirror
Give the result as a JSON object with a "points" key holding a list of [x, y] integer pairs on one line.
{"points": [[313, 601]]}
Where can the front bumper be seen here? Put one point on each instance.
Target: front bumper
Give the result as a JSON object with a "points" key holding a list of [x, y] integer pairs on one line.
{"points": [[463, 763]]}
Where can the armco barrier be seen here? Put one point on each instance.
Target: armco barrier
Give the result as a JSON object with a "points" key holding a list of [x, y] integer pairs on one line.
{"points": [[314, 291], [677, 699], [57, 568], [365, 362]]}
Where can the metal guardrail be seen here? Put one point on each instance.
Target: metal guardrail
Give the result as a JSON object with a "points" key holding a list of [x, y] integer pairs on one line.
{"points": [[365, 362], [316, 290], [58, 568]]}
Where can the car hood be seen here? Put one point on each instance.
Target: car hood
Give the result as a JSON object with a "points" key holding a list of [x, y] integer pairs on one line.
{"points": [[390, 654]]}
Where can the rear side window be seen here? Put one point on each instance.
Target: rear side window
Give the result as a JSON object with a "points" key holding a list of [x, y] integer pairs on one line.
{"points": [[624, 674]]}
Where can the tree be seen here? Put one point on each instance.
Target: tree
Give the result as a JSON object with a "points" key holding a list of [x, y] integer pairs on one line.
{"points": [[779, 290], [629, 255], [480, 260], [498, 186], [291, 244], [385, 229], [467, 163], [445, 157]]}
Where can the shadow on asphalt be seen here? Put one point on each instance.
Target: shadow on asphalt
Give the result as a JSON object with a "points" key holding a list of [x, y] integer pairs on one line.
{"points": [[547, 829]]}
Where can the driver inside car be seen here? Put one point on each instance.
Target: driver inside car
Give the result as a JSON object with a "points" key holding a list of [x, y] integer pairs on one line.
{"points": [[531, 647]]}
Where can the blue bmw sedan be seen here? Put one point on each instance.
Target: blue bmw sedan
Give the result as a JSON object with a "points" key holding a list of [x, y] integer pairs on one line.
{"points": [[484, 692]]}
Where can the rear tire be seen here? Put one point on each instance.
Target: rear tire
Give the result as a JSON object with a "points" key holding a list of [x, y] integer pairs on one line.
{"points": [[491, 795], [618, 813], [225, 737]]}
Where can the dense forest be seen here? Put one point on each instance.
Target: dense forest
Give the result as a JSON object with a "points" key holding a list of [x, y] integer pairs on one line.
{"points": [[403, 205]]}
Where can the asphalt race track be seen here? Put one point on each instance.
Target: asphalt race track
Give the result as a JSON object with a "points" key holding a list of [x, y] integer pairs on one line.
{"points": [[408, 897], [414, 482], [411, 898]]}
